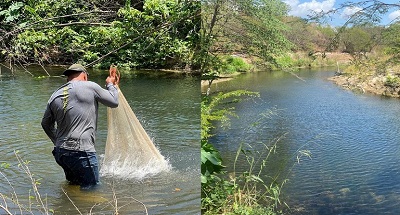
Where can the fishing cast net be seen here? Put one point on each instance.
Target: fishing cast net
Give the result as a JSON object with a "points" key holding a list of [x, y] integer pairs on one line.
{"points": [[129, 152]]}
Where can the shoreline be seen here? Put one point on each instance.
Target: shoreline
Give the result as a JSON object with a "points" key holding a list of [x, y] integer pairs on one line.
{"points": [[372, 84], [204, 84], [330, 59]]}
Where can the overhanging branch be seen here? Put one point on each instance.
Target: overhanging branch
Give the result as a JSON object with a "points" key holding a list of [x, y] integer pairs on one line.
{"points": [[70, 24]]}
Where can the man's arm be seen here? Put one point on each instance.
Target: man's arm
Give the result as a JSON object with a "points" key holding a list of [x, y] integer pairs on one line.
{"points": [[108, 97], [48, 124], [111, 84]]}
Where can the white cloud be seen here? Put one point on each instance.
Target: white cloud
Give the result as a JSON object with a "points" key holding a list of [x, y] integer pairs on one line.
{"points": [[305, 8], [394, 15], [292, 3], [349, 11]]}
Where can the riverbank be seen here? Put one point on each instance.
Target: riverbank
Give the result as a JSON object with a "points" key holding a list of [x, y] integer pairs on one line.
{"points": [[39, 71], [292, 60], [222, 78], [379, 85], [373, 76]]}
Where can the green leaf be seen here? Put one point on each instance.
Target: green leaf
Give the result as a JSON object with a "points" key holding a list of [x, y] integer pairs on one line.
{"points": [[5, 165], [16, 6], [203, 179], [211, 157], [30, 9]]}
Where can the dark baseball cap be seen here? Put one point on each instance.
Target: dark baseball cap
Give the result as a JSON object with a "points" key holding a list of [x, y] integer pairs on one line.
{"points": [[74, 68]]}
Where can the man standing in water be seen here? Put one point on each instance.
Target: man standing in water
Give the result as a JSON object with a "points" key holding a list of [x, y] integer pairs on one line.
{"points": [[70, 121]]}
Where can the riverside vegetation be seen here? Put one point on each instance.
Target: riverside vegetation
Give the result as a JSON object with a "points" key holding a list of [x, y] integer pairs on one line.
{"points": [[135, 34], [241, 194], [262, 36]]}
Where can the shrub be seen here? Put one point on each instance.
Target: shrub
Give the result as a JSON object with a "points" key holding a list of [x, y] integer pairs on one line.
{"points": [[392, 81], [285, 61], [232, 64]]}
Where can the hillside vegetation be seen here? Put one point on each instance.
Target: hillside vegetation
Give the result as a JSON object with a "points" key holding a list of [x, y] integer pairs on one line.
{"points": [[266, 37]]}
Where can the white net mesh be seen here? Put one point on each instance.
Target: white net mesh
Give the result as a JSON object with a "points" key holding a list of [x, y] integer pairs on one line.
{"points": [[129, 153]]}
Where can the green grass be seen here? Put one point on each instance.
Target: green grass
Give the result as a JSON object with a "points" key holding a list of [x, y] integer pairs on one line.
{"points": [[233, 64]]}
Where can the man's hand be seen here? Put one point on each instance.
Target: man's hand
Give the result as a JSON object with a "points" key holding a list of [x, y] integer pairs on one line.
{"points": [[114, 76]]}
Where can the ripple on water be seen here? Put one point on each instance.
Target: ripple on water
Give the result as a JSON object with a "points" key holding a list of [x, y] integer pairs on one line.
{"points": [[166, 114], [353, 139]]}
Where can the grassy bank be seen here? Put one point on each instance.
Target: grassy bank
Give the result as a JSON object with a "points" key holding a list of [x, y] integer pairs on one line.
{"points": [[233, 193], [237, 64]]}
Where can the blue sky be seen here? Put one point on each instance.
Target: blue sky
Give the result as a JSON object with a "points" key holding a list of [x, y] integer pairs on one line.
{"points": [[302, 8]]}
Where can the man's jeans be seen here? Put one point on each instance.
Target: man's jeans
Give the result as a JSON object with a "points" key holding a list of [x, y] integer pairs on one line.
{"points": [[80, 168]]}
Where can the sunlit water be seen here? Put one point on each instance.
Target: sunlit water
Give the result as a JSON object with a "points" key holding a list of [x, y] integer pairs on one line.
{"points": [[169, 110], [354, 140]]}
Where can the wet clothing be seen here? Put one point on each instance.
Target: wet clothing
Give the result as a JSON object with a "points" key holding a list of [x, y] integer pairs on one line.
{"points": [[70, 121], [80, 168]]}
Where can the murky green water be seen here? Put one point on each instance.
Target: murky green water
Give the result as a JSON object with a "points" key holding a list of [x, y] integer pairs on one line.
{"points": [[169, 110], [354, 140]]}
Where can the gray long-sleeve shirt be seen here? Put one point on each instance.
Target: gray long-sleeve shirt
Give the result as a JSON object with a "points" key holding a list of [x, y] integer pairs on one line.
{"points": [[70, 119]]}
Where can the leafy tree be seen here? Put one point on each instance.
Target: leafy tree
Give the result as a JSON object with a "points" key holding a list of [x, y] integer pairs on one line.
{"points": [[139, 34], [391, 40], [357, 42], [299, 34], [251, 28], [259, 29], [362, 32], [309, 37]]}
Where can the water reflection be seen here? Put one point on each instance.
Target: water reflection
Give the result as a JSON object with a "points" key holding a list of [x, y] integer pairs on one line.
{"points": [[353, 139]]}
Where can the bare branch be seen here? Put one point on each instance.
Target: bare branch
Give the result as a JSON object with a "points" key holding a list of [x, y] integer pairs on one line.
{"points": [[70, 15], [69, 24], [71, 201], [6, 210]]}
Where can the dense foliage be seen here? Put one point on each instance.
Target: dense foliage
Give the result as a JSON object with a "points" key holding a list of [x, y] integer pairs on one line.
{"points": [[135, 34]]}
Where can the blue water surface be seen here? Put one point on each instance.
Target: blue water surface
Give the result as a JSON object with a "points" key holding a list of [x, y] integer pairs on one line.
{"points": [[353, 138]]}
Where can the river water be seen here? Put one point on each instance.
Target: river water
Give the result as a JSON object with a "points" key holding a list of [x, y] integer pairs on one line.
{"points": [[167, 106], [354, 140]]}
